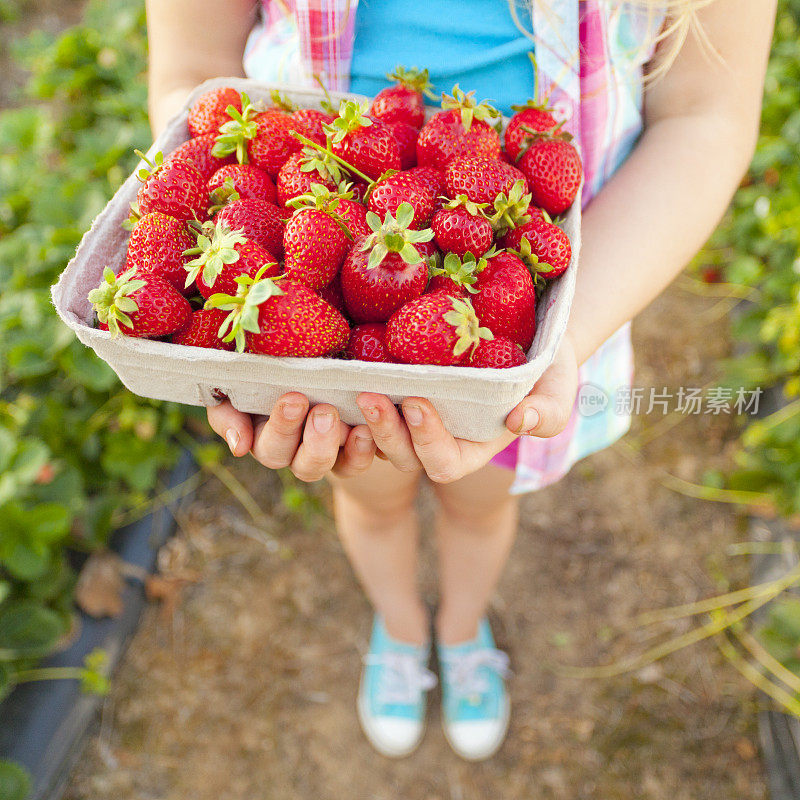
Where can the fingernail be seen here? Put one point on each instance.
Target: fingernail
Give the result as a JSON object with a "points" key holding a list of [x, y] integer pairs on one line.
{"points": [[371, 413], [530, 419], [363, 443], [292, 410], [323, 422], [413, 415], [232, 438]]}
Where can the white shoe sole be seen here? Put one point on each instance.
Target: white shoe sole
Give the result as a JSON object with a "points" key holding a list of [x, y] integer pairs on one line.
{"points": [[488, 752], [370, 731]]}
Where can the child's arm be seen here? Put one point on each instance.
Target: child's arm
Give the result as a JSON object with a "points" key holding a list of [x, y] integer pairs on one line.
{"points": [[191, 41]]}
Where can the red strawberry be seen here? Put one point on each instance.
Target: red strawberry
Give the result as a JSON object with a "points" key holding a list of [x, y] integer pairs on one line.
{"points": [[406, 137], [461, 129], [264, 139], [548, 250], [403, 102], [368, 343], [222, 255], [202, 330], [172, 187], [506, 299], [553, 168], [157, 246], [367, 145], [281, 318], [456, 276], [389, 193], [353, 214], [315, 239], [434, 329], [461, 227], [384, 270], [209, 112], [497, 353], [332, 293], [246, 180], [482, 179], [433, 178], [304, 169], [532, 118], [258, 220], [145, 306], [197, 151], [309, 122]]}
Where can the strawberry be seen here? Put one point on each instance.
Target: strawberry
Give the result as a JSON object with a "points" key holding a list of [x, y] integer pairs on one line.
{"points": [[462, 227], [244, 179], [529, 119], [511, 210], [353, 213], [368, 343], [197, 151], [506, 299], [434, 329], [145, 306], [388, 193], [497, 353], [157, 246], [456, 276], [222, 255], [481, 179], [403, 102], [385, 269], [280, 318], [258, 220], [263, 139], [304, 169], [315, 239], [406, 137], [172, 187], [433, 178], [367, 145], [202, 330], [553, 168], [210, 111], [543, 246], [461, 129], [309, 122], [332, 293]]}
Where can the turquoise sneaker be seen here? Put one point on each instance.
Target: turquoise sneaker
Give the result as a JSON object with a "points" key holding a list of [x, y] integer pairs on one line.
{"points": [[475, 704], [391, 696]]}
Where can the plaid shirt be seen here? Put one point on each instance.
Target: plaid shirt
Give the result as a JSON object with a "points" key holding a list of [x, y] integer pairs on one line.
{"points": [[590, 55]]}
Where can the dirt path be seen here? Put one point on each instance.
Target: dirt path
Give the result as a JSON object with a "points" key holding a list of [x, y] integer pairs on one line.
{"points": [[247, 691]]}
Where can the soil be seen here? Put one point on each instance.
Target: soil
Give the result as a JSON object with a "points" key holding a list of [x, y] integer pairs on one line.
{"points": [[242, 685]]}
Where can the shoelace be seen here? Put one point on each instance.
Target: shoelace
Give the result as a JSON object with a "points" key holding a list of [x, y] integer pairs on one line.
{"points": [[404, 677], [464, 670]]}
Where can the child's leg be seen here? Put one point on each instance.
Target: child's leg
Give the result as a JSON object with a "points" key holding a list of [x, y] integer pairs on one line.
{"points": [[475, 526], [377, 523]]}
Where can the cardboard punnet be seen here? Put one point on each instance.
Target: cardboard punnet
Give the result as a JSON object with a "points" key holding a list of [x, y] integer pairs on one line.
{"points": [[472, 403]]}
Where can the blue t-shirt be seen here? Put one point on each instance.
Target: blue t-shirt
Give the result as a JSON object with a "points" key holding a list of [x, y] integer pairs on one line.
{"points": [[474, 43]]}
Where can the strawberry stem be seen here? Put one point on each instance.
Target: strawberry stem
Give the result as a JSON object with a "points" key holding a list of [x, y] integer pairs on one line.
{"points": [[323, 149]]}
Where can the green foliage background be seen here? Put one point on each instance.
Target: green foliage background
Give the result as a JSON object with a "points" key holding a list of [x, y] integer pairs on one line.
{"points": [[77, 451]]}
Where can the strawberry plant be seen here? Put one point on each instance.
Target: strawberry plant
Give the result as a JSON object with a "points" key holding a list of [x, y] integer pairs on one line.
{"points": [[76, 450], [760, 247]]}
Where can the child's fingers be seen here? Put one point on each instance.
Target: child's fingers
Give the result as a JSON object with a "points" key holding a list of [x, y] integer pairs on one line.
{"points": [[235, 427], [322, 437], [389, 431], [278, 437], [436, 448], [357, 454]]}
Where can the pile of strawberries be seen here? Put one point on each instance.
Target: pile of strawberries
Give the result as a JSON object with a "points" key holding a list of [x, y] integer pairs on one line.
{"points": [[365, 233]]}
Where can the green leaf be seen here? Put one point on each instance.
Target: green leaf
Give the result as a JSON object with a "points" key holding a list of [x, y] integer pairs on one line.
{"points": [[15, 783], [28, 629]]}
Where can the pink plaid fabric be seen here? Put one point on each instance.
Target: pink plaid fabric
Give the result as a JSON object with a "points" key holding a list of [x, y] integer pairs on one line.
{"points": [[591, 55]]}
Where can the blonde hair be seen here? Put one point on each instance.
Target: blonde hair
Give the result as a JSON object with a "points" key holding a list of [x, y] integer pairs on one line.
{"points": [[681, 21]]}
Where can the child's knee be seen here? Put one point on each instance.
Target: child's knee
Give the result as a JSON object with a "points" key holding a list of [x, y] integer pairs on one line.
{"points": [[376, 505]]}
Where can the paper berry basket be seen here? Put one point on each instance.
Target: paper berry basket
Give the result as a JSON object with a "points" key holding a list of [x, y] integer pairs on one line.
{"points": [[472, 403]]}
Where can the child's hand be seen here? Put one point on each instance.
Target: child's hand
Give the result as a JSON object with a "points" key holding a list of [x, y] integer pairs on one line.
{"points": [[311, 443], [418, 439]]}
